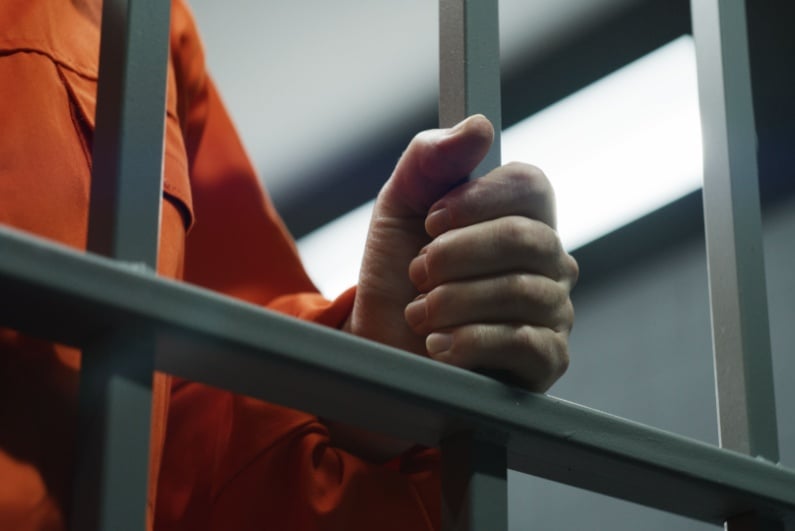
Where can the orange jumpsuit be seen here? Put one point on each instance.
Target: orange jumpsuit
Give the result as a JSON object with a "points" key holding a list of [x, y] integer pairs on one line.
{"points": [[219, 461]]}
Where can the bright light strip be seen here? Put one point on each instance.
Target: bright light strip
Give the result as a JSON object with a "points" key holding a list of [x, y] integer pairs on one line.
{"points": [[622, 147], [614, 151]]}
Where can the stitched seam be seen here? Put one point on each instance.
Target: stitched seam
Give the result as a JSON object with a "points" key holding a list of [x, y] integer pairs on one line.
{"points": [[82, 72], [82, 127]]}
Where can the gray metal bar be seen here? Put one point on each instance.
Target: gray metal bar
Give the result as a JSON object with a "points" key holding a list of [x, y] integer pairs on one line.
{"points": [[469, 68], [754, 522], [124, 216], [67, 296], [735, 253], [111, 470], [475, 486], [474, 481], [115, 398], [741, 336]]}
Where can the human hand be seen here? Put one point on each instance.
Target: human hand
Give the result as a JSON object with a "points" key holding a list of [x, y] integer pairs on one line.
{"points": [[472, 274]]}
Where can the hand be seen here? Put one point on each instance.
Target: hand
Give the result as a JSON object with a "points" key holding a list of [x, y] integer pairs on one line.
{"points": [[470, 273], [489, 275], [494, 282]]}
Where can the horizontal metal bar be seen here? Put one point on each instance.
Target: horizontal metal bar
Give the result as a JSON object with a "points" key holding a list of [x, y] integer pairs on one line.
{"points": [[64, 295]]}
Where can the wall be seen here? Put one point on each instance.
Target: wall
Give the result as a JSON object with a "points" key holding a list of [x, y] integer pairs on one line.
{"points": [[641, 349]]}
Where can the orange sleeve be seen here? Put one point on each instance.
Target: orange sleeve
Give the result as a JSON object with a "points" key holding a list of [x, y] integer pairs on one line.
{"points": [[230, 461], [48, 61]]}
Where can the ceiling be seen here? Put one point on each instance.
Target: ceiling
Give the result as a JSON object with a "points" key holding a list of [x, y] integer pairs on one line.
{"points": [[327, 94]]}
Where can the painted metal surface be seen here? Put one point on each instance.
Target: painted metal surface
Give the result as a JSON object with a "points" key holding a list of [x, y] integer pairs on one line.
{"points": [[474, 469], [112, 454], [124, 215], [68, 296], [738, 297], [735, 254], [115, 397], [474, 483], [469, 68]]}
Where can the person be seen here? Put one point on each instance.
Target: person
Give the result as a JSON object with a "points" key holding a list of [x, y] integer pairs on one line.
{"points": [[471, 274]]}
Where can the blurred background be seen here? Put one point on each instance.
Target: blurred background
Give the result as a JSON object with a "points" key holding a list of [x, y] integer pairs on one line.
{"points": [[602, 95]]}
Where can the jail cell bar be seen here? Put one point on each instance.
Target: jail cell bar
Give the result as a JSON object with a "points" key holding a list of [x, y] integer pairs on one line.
{"points": [[733, 226], [474, 468], [530, 433], [117, 367]]}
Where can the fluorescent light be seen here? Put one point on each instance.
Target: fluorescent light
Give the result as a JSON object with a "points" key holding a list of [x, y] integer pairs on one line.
{"points": [[619, 148], [615, 150]]}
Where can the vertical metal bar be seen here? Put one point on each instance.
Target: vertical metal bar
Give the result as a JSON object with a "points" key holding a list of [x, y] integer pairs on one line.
{"points": [[469, 68], [111, 469], [112, 461], [474, 484], [740, 329], [734, 233], [124, 217], [474, 469]]}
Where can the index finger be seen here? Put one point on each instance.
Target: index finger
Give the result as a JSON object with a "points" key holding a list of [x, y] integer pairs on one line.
{"points": [[515, 189]]}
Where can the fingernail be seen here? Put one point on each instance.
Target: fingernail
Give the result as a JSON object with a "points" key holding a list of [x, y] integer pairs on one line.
{"points": [[416, 312], [418, 271], [438, 222], [438, 342]]}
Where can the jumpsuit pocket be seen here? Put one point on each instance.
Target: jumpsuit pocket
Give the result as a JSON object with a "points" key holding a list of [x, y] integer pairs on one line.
{"points": [[176, 183]]}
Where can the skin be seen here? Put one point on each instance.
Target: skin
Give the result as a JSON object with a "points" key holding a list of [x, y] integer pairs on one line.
{"points": [[469, 273]]}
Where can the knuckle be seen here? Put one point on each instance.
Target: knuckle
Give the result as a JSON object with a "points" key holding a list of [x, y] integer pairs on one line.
{"points": [[526, 290], [514, 232], [554, 358], [530, 237], [531, 179], [525, 338], [522, 287], [519, 172], [571, 269], [563, 361], [566, 319], [522, 171], [532, 187], [548, 242], [550, 352]]}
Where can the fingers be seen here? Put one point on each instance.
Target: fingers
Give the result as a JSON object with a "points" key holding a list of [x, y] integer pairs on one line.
{"points": [[433, 163], [514, 189], [495, 280], [533, 357], [515, 298], [493, 247]]}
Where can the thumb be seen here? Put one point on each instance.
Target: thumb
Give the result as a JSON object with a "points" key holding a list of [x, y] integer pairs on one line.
{"points": [[434, 162]]}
